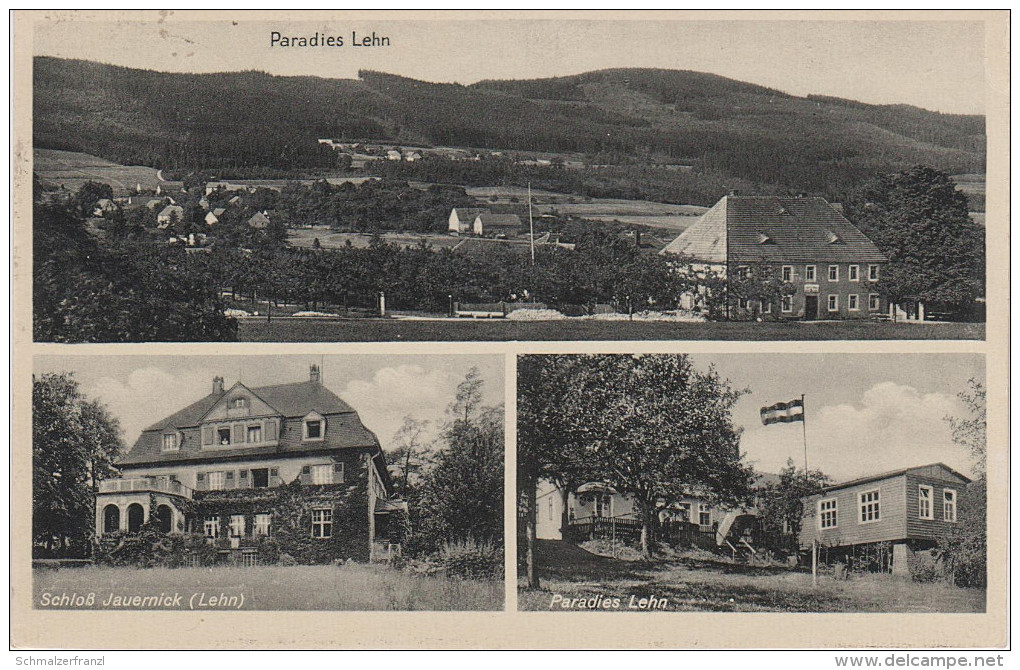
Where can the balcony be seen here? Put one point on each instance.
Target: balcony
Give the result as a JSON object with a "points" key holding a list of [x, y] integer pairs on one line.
{"points": [[150, 484]]}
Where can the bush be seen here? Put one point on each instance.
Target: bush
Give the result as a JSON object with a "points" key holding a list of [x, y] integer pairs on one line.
{"points": [[926, 571], [287, 560], [469, 559]]}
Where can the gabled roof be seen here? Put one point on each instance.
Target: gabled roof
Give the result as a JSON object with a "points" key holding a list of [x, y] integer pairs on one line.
{"points": [[170, 209], [494, 220], [896, 473], [749, 229], [468, 214], [293, 401]]}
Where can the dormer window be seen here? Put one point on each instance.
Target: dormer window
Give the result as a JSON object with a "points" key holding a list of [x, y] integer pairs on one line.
{"points": [[239, 403], [833, 238], [763, 238], [314, 427], [170, 442]]}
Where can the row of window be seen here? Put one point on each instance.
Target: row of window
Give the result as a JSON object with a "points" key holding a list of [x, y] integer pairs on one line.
{"points": [[811, 273], [603, 508], [869, 507], [218, 480], [245, 432], [322, 525], [853, 303]]}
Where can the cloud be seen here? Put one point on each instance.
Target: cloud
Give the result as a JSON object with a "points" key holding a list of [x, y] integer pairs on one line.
{"points": [[404, 390], [891, 426], [144, 396]]}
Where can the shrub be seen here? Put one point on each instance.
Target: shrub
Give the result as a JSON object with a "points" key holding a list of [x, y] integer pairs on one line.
{"points": [[287, 560], [926, 571], [470, 559]]}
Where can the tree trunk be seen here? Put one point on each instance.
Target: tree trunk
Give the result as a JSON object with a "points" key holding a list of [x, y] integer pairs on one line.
{"points": [[564, 513], [646, 530], [529, 530]]}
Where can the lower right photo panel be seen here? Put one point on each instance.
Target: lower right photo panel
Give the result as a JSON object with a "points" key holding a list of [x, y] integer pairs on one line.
{"points": [[751, 482]]}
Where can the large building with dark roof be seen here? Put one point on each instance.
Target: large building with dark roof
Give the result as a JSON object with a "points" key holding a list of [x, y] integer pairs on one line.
{"points": [[241, 465], [831, 267]]}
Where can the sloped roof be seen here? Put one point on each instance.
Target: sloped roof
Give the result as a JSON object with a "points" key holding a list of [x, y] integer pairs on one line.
{"points": [[468, 214], [749, 229], [171, 209], [895, 473], [492, 219], [343, 427]]}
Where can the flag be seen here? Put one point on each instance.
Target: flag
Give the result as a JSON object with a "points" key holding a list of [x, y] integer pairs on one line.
{"points": [[783, 412]]}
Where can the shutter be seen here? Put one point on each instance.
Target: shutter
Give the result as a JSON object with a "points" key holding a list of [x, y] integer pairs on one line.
{"points": [[274, 473], [271, 431], [243, 481], [207, 435], [338, 473], [238, 433], [306, 474], [200, 482], [228, 479]]}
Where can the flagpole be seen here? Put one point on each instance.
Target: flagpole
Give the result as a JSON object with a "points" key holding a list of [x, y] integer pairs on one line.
{"points": [[803, 425]]}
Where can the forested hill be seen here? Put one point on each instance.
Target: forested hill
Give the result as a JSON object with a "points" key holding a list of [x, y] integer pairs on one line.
{"points": [[724, 128]]}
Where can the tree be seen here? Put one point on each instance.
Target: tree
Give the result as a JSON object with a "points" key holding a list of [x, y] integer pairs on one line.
{"points": [[654, 428], [919, 220], [460, 497], [88, 195], [74, 443], [965, 546], [781, 504], [408, 453]]}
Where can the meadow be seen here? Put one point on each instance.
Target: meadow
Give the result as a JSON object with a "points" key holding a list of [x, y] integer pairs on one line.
{"points": [[711, 584], [499, 330], [271, 587]]}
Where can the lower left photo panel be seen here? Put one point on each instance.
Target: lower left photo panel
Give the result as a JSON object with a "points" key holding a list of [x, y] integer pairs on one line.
{"points": [[265, 482]]}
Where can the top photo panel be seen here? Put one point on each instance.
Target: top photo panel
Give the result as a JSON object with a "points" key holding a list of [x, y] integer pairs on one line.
{"points": [[354, 179]]}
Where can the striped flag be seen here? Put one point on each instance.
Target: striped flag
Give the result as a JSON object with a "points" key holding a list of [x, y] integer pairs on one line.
{"points": [[783, 412]]}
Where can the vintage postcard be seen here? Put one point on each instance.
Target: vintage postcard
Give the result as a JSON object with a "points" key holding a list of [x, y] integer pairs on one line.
{"points": [[475, 329]]}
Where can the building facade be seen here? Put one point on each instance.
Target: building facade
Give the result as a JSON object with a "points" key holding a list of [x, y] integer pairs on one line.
{"points": [[828, 268], [291, 462], [902, 512]]}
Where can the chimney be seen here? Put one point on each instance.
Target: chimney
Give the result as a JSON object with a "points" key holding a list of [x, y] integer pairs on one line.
{"points": [[313, 374], [734, 191], [217, 385]]}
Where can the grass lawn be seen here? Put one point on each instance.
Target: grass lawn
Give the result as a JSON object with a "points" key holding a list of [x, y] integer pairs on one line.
{"points": [[498, 330], [303, 587], [718, 586]]}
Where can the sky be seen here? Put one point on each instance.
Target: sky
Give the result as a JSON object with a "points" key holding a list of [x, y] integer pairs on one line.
{"points": [[865, 413], [938, 65], [141, 390]]}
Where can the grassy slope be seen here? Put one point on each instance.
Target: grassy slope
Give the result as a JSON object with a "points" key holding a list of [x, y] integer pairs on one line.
{"points": [[318, 587], [385, 330], [718, 586]]}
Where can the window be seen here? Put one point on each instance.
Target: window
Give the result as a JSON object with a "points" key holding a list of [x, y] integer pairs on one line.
{"points": [[263, 524], [924, 496], [322, 474], [809, 273], [217, 480], [833, 273], [743, 272], [239, 403], [949, 505], [853, 302], [767, 308], [254, 434], [833, 302], [313, 428], [873, 302], [236, 525], [827, 513], [550, 508], [223, 435], [855, 273], [872, 273], [211, 528], [704, 515], [787, 303], [170, 442], [322, 523], [787, 273], [869, 507]]}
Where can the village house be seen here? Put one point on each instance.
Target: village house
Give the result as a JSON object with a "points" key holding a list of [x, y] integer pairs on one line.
{"points": [[213, 217], [831, 268], [105, 207], [889, 518], [168, 214], [462, 219], [259, 220], [291, 462], [595, 510], [497, 225]]}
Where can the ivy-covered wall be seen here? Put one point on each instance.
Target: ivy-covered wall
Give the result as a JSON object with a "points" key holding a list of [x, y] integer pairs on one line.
{"points": [[290, 507]]}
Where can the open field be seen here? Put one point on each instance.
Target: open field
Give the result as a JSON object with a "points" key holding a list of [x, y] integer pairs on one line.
{"points": [[302, 587], [71, 169], [713, 585], [498, 330], [329, 239]]}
